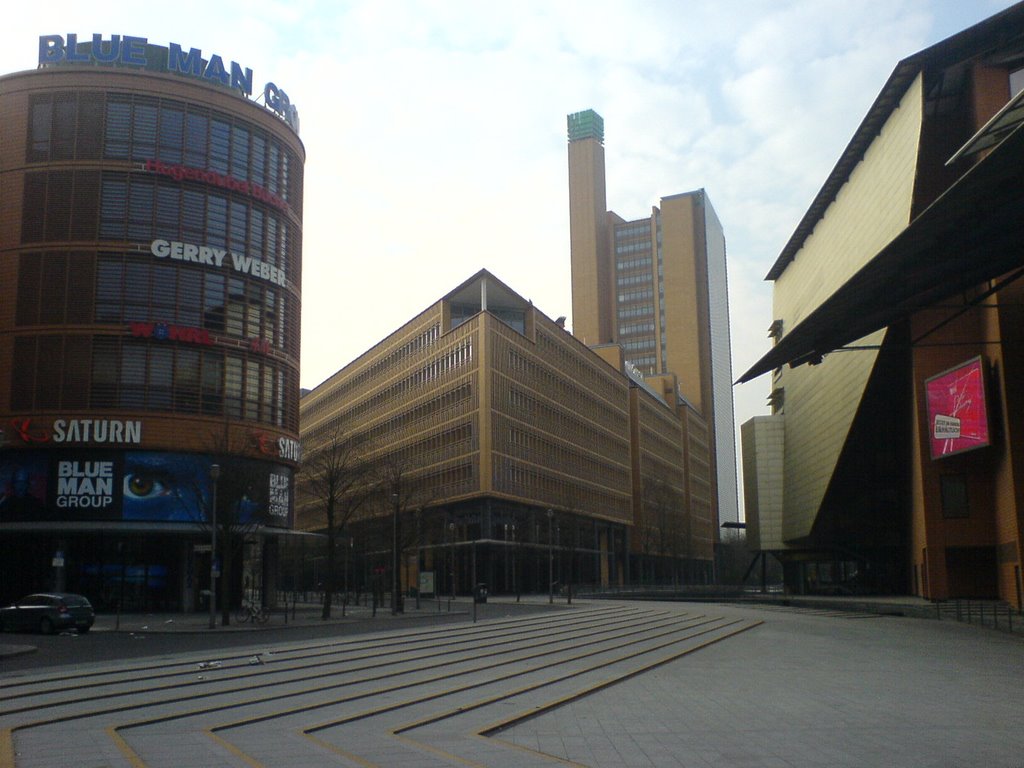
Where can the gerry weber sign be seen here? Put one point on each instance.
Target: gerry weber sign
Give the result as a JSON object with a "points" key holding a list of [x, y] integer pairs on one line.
{"points": [[132, 51]]}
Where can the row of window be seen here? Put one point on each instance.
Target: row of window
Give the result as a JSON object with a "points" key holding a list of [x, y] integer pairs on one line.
{"points": [[450, 361], [644, 278], [625, 264], [643, 246], [528, 371], [647, 364], [637, 310], [638, 345], [527, 408], [634, 328], [447, 404], [82, 287], [538, 449], [636, 296], [144, 208], [376, 371], [452, 442], [87, 205], [635, 229], [512, 477], [564, 357], [62, 372], [88, 125]]}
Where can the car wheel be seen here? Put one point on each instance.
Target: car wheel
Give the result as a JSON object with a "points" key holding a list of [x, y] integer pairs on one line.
{"points": [[46, 626], [83, 630]]}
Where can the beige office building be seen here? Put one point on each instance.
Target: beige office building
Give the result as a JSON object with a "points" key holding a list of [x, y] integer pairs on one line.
{"points": [[657, 287], [519, 452]]}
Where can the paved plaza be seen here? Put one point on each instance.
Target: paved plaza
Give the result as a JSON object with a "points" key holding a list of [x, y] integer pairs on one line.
{"points": [[594, 684]]}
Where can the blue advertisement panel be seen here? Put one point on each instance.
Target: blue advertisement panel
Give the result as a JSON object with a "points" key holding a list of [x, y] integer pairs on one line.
{"points": [[23, 486], [86, 484]]}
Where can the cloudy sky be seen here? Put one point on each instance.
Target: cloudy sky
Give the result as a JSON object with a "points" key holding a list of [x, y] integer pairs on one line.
{"points": [[436, 139]]}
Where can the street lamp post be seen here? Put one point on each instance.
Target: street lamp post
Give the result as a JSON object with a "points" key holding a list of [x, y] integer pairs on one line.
{"points": [[344, 600], [394, 557], [551, 577], [214, 476], [451, 533]]}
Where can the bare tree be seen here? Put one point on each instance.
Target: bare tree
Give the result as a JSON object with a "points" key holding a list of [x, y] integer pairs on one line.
{"points": [[242, 503], [337, 479], [664, 522], [240, 491], [401, 493]]}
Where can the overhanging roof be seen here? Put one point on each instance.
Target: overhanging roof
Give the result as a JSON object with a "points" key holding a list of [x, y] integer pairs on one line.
{"points": [[973, 233], [1003, 30]]}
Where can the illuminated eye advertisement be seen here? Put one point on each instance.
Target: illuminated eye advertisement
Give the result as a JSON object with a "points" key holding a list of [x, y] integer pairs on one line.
{"points": [[957, 410], [170, 487]]}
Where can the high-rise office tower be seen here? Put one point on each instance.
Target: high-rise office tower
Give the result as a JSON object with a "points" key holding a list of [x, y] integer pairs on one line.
{"points": [[657, 287]]}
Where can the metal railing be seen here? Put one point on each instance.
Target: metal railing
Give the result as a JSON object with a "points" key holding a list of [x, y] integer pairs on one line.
{"points": [[986, 613]]}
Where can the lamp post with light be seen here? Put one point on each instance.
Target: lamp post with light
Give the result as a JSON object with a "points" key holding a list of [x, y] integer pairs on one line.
{"points": [[551, 582], [394, 556], [451, 533], [214, 476]]}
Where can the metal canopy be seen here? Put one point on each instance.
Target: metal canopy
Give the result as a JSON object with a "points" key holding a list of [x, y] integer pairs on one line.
{"points": [[993, 132], [973, 233]]}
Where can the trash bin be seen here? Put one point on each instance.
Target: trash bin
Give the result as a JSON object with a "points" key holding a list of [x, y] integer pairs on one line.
{"points": [[480, 593]]}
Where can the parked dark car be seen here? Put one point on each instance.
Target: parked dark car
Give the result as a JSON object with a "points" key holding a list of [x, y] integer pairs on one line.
{"points": [[48, 612]]}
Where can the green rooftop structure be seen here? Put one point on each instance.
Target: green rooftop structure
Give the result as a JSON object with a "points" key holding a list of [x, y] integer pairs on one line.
{"points": [[586, 125]]}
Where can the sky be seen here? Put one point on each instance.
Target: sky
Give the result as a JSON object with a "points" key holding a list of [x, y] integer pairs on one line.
{"points": [[435, 131]]}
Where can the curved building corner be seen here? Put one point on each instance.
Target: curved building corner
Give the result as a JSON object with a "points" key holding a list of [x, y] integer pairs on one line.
{"points": [[150, 264]]}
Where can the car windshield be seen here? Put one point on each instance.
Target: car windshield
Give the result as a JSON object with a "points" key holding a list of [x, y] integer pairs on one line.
{"points": [[75, 601]]}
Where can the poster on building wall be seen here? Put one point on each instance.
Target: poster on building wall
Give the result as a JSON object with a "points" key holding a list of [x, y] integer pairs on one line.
{"points": [[957, 410], [140, 486], [23, 486]]}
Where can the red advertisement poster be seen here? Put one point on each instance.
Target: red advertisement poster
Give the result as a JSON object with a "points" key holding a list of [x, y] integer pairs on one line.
{"points": [[957, 410]]}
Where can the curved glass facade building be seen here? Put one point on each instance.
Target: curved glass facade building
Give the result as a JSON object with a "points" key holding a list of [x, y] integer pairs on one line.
{"points": [[150, 264]]}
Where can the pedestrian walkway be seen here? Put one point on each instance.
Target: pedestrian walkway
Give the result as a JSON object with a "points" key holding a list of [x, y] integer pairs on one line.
{"points": [[607, 684]]}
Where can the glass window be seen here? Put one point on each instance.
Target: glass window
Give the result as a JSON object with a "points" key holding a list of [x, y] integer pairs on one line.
{"points": [[186, 381], [163, 283], [136, 292], [213, 301], [233, 381], [256, 233], [119, 129], [196, 129], [65, 115], [168, 212], [273, 168], [212, 383], [220, 144], [954, 496], [144, 131], [113, 207], [160, 368], [104, 373], [172, 133], [189, 298], [140, 209], [39, 129], [240, 153], [252, 391], [217, 221], [239, 226], [259, 159], [193, 220], [133, 376], [108, 290]]}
